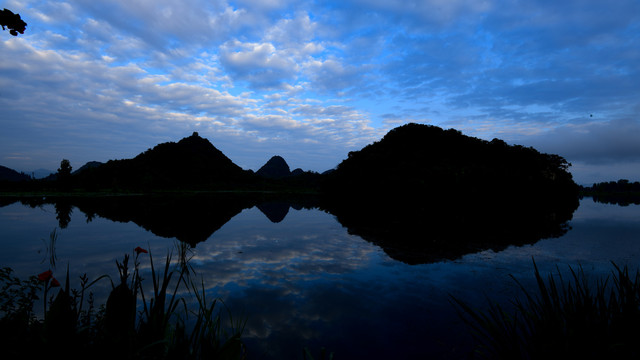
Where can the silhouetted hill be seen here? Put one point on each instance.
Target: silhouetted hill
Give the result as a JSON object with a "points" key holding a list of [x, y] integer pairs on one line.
{"points": [[422, 159], [275, 168], [423, 193], [88, 165], [7, 174], [191, 163]]}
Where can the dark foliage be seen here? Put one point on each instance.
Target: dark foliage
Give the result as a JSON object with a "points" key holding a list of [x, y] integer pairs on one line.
{"points": [[63, 176], [426, 160], [423, 193], [621, 192], [73, 328], [572, 318], [13, 22]]}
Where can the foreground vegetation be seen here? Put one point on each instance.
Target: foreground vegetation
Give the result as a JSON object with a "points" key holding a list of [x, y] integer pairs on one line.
{"points": [[566, 319], [132, 324]]}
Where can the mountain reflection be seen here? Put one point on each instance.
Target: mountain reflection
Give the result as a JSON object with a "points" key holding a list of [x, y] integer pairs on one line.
{"points": [[418, 231], [411, 232], [274, 211]]}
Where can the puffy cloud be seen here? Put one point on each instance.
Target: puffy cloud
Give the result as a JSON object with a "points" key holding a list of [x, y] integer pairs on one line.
{"points": [[333, 75], [261, 64], [265, 73]]}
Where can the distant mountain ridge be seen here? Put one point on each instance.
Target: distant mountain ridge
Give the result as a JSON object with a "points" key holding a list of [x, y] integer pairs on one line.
{"points": [[42, 173], [7, 174], [409, 160]]}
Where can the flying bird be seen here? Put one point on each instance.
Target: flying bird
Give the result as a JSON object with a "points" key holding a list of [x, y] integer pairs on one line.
{"points": [[13, 22]]}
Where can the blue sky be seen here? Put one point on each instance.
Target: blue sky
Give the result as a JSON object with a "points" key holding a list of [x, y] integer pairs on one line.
{"points": [[311, 81]]}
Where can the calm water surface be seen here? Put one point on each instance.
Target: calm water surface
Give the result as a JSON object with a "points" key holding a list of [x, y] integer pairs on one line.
{"points": [[305, 281]]}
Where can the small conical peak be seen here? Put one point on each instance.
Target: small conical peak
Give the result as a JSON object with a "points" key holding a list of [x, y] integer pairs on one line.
{"points": [[276, 167]]}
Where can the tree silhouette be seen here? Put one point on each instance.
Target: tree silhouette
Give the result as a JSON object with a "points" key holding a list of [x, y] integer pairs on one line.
{"points": [[65, 169], [13, 22], [64, 175]]}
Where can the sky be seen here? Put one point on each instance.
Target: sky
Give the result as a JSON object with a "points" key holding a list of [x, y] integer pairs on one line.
{"points": [[94, 80]]}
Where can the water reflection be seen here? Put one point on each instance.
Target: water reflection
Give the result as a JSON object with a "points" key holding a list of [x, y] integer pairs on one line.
{"points": [[63, 212], [407, 231], [304, 280], [275, 211], [418, 231]]}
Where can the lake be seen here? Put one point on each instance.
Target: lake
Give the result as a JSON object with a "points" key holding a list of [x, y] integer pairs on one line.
{"points": [[301, 278]]}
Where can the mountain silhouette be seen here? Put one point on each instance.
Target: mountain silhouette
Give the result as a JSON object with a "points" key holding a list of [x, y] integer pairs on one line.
{"points": [[423, 194], [275, 168], [410, 162], [427, 160], [88, 165], [7, 174], [192, 162]]}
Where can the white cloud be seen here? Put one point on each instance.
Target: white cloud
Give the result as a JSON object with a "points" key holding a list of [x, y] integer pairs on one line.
{"points": [[260, 64], [333, 75], [261, 72]]}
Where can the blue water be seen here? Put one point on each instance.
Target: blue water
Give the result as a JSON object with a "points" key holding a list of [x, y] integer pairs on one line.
{"points": [[306, 282]]}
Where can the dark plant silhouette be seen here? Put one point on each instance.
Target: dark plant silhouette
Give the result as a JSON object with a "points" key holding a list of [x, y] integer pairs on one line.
{"points": [[65, 169], [63, 176], [13, 22], [117, 329], [574, 318]]}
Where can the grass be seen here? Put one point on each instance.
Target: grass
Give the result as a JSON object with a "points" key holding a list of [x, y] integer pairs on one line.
{"points": [[570, 318], [72, 325], [563, 317]]}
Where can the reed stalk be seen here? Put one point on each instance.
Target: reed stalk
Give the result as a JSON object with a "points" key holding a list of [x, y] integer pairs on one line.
{"points": [[564, 318]]}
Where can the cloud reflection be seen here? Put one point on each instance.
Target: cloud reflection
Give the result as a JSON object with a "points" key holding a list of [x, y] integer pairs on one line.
{"points": [[307, 244]]}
